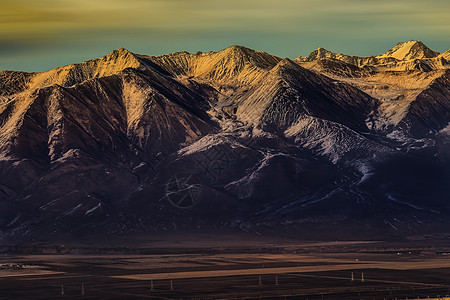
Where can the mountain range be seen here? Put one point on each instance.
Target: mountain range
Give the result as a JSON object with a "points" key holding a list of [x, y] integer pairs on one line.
{"points": [[323, 146]]}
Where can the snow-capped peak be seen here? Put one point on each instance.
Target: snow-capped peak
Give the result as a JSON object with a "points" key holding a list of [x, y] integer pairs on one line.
{"points": [[410, 50]]}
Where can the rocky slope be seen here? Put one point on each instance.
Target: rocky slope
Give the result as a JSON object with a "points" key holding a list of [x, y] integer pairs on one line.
{"points": [[238, 138]]}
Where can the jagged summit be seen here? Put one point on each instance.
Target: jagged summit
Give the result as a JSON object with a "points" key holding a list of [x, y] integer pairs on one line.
{"points": [[445, 55], [320, 53], [398, 79], [239, 49], [405, 56], [14, 81], [239, 56], [236, 64], [242, 51], [410, 50], [121, 50], [120, 54], [285, 66], [402, 51], [113, 63]]}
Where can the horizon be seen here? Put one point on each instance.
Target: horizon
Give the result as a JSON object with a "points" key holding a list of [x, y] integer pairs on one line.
{"points": [[42, 36], [216, 51]]}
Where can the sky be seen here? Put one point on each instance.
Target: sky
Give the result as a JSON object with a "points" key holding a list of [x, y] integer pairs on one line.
{"points": [[37, 35]]}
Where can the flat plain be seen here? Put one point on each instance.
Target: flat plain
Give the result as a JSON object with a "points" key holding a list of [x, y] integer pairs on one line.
{"points": [[301, 270]]}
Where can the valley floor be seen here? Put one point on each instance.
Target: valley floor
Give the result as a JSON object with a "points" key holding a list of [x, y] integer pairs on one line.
{"points": [[294, 270]]}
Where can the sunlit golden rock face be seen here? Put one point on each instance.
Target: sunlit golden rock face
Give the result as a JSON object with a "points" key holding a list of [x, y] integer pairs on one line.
{"points": [[405, 56], [235, 65], [410, 50], [396, 78], [445, 55], [101, 140]]}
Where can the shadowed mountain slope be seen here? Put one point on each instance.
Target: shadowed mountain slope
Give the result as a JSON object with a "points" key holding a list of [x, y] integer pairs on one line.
{"points": [[236, 139]]}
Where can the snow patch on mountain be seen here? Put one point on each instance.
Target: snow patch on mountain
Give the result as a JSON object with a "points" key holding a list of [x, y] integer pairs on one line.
{"points": [[410, 50], [394, 199], [334, 141]]}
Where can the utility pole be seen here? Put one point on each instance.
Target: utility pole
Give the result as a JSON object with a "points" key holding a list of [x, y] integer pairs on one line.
{"points": [[276, 279], [362, 277], [82, 289], [62, 289], [171, 284], [353, 278], [260, 281], [151, 285]]}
